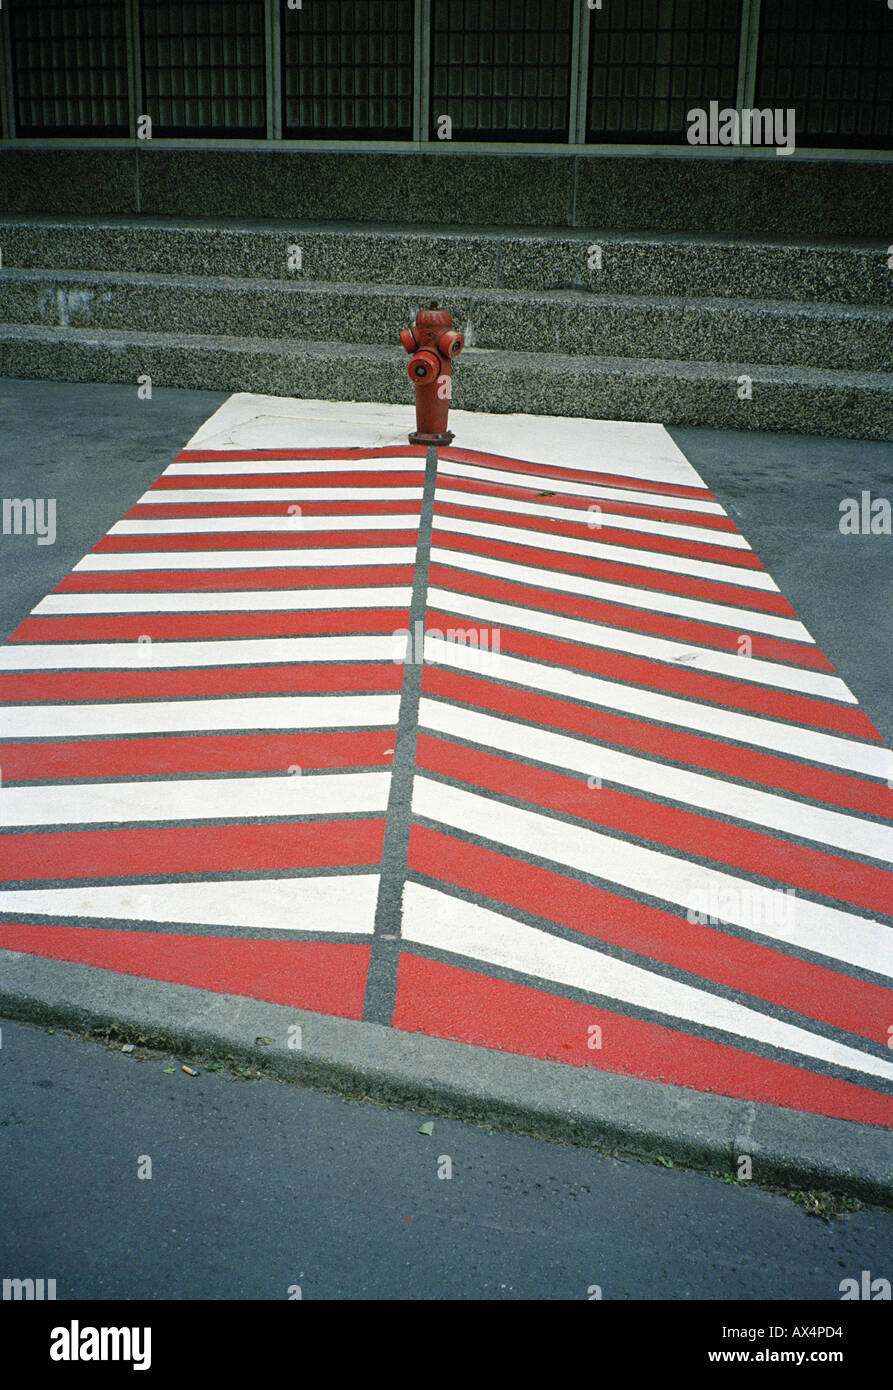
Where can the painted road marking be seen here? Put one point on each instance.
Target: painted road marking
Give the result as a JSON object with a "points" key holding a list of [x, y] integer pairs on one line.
{"points": [[581, 801], [707, 793], [825, 931], [738, 618], [214, 798], [436, 919], [265, 904]]}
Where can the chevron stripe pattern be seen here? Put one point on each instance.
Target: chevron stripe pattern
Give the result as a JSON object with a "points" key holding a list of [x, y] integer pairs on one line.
{"points": [[199, 726], [527, 755]]}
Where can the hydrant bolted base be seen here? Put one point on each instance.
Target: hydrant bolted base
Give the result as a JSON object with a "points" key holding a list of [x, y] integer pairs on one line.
{"points": [[441, 439]]}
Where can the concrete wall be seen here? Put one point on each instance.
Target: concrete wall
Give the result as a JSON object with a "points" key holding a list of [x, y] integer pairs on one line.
{"points": [[758, 193]]}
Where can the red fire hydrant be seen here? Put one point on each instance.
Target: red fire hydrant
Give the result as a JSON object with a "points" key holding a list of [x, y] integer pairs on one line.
{"points": [[433, 343]]}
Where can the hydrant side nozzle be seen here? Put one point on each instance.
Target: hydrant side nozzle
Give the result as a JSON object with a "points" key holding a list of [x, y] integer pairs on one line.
{"points": [[423, 368], [408, 339], [450, 344]]}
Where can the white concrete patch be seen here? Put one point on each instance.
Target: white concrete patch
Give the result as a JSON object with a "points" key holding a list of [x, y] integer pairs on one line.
{"points": [[445, 923], [249, 421], [317, 904]]}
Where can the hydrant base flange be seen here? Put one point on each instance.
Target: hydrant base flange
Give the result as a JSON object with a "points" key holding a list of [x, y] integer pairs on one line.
{"points": [[441, 439]]}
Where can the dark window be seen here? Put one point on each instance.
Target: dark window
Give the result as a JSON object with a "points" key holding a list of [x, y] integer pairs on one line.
{"points": [[652, 61], [347, 69], [204, 67], [501, 69], [69, 60], [833, 63]]}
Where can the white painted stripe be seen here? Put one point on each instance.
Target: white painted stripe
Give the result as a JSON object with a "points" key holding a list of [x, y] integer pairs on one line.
{"points": [[200, 798], [173, 496], [229, 467], [309, 558], [599, 550], [205, 716], [227, 525], [781, 916], [739, 619], [448, 467], [696, 789], [621, 520], [443, 922], [319, 903], [250, 651], [227, 601], [795, 741], [684, 654]]}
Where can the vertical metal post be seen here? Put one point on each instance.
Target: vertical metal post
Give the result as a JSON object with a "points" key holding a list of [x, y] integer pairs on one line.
{"points": [[7, 103], [579, 74], [133, 39], [747, 54], [421, 69], [273, 54]]}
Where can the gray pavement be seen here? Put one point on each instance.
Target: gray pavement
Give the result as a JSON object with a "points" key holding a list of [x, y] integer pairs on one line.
{"points": [[257, 1186]]}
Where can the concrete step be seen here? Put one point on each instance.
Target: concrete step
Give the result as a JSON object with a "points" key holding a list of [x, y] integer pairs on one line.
{"points": [[854, 272], [564, 321], [799, 400]]}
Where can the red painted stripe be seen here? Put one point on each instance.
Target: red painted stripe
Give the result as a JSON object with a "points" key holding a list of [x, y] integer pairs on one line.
{"points": [[197, 849], [761, 971], [692, 750], [577, 475], [695, 834], [148, 684], [673, 680], [111, 627], [186, 754], [572, 501], [622, 616], [158, 511], [287, 480], [303, 539], [325, 976], [328, 577], [666, 581], [246, 455], [607, 535], [447, 1001]]}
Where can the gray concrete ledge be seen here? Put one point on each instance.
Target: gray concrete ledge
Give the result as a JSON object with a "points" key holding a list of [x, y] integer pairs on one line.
{"points": [[544, 1099], [729, 193], [807, 400]]}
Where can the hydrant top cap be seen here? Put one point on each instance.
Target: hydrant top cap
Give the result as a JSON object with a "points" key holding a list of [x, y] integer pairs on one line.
{"points": [[434, 318]]}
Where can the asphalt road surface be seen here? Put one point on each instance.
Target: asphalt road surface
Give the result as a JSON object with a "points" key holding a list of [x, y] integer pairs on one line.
{"points": [[258, 1186]]}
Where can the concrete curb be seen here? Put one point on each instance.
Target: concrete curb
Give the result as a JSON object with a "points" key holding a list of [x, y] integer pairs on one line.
{"points": [[544, 1099]]}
